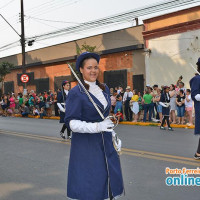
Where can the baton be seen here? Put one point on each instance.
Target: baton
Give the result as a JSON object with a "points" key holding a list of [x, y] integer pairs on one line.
{"points": [[194, 68]]}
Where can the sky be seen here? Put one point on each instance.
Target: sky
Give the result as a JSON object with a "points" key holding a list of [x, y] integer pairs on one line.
{"points": [[40, 13]]}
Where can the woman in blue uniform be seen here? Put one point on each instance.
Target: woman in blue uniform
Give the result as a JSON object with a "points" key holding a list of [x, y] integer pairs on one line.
{"points": [[94, 171], [195, 94], [164, 102], [62, 96]]}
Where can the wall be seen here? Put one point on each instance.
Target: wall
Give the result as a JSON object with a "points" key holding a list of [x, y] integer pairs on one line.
{"points": [[171, 56]]}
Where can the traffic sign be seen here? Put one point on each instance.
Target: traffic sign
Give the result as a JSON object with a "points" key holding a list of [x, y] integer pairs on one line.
{"points": [[24, 78]]}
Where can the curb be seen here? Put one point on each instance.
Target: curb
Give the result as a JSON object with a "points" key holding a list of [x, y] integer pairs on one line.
{"points": [[125, 123]]}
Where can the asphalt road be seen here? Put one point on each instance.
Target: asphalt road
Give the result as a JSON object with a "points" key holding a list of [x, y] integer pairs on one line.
{"points": [[34, 161]]}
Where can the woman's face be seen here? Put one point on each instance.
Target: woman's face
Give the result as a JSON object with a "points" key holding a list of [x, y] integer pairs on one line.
{"points": [[66, 86], [90, 70]]}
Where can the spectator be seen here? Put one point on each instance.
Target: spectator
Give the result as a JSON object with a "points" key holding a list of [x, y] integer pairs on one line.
{"points": [[155, 92], [4, 105], [48, 105], [118, 103], [35, 111], [180, 101], [21, 100], [147, 105], [12, 105], [140, 102], [179, 80], [121, 91], [42, 113], [172, 103], [111, 91], [126, 99], [135, 105], [159, 107], [119, 115], [55, 104], [24, 110], [189, 106], [113, 101]]}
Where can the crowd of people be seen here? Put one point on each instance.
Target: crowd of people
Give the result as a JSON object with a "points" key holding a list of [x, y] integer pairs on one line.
{"points": [[147, 105], [42, 104], [129, 105]]}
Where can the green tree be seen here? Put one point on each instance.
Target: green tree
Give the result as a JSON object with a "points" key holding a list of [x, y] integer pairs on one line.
{"points": [[5, 68]]}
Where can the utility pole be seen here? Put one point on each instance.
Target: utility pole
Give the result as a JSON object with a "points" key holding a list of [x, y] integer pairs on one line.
{"points": [[23, 38]]}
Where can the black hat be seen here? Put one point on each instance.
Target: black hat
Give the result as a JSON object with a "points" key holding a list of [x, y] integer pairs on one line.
{"points": [[64, 82], [84, 56]]}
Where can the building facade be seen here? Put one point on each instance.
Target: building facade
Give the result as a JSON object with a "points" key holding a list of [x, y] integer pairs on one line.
{"points": [[122, 62], [172, 44]]}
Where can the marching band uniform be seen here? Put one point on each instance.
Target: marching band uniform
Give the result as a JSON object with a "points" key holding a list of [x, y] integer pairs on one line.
{"points": [[164, 102], [195, 94], [94, 171], [62, 96]]}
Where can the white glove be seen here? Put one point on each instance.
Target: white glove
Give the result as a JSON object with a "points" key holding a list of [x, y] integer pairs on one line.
{"points": [[167, 104], [60, 107], [163, 104], [197, 97], [79, 126], [105, 125]]}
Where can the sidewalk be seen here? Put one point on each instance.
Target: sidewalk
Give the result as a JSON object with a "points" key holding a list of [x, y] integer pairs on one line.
{"points": [[125, 123]]}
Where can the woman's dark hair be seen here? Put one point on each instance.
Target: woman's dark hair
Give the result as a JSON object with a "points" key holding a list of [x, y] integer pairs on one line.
{"points": [[173, 86], [117, 97], [101, 85], [188, 90], [136, 91]]}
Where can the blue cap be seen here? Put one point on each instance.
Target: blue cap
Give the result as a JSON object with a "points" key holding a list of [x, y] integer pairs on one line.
{"points": [[198, 62], [64, 82], [84, 56]]}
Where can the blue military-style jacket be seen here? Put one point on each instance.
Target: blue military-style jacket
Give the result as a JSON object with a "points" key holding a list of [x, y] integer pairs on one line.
{"points": [[61, 99], [94, 164], [195, 89]]}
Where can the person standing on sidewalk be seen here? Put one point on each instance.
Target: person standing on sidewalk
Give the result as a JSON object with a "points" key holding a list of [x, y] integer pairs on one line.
{"points": [[126, 100], [195, 94], [61, 99]]}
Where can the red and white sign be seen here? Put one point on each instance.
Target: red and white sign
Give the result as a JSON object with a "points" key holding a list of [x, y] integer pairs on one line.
{"points": [[24, 78]]}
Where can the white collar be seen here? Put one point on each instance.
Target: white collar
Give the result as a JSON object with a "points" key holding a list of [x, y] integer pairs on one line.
{"points": [[66, 92], [90, 83]]}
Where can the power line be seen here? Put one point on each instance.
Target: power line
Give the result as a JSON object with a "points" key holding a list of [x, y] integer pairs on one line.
{"points": [[6, 4], [116, 19]]}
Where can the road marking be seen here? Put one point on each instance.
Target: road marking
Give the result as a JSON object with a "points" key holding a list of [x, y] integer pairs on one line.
{"points": [[126, 151]]}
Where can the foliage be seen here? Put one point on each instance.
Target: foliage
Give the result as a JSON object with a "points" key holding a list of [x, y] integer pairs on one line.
{"points": [[84, 47], [5, 68]]}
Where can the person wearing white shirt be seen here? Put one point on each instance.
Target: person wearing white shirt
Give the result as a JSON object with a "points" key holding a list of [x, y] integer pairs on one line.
{"points": [[126, 100]]}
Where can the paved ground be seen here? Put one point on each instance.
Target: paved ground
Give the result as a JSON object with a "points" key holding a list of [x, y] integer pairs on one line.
{"points": [[34, 160]]}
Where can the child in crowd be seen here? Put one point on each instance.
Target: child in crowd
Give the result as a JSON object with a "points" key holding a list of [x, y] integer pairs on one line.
{"points": [[118, 103], [42, 113], [35, 111], [189, 106], [119, 115], [180, 101]]}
